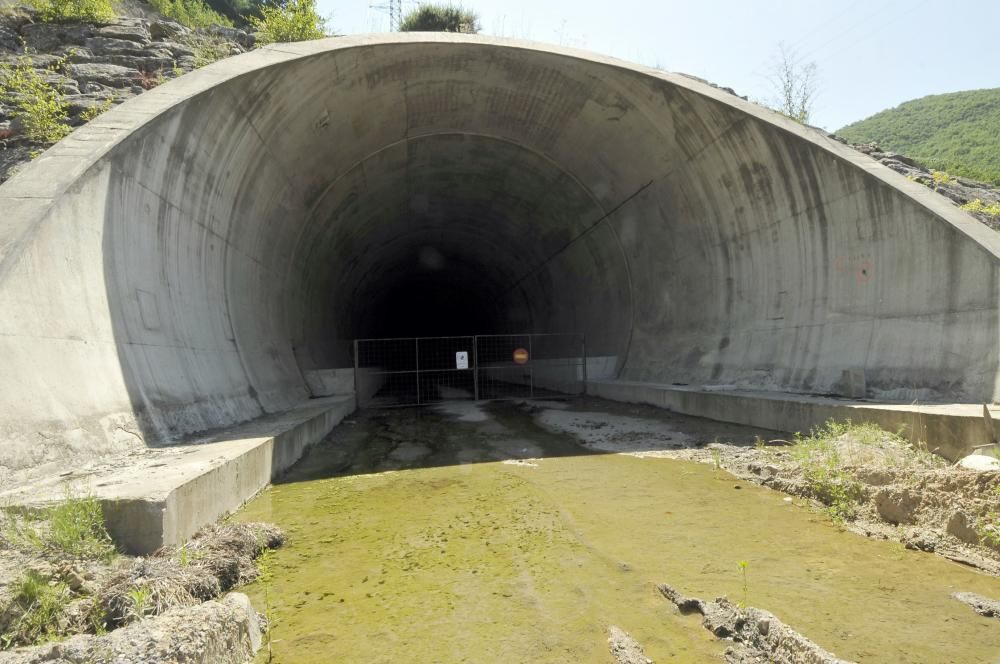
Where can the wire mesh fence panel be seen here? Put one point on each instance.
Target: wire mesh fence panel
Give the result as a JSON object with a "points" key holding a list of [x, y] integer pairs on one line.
{"points": [[416, 371], [413, 371], [518, 366], [447, 370], [504, 366]]}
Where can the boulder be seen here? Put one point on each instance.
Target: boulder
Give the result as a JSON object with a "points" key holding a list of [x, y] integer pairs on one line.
{"points": [[625, 649], [164, 29], [114, 76], [984, 606], [176, 50], [979, 462], [145, 63], [244, 39], [49, 36], [109, 45], [896, 507], [134, 30], [10, 40], [960, 526]]}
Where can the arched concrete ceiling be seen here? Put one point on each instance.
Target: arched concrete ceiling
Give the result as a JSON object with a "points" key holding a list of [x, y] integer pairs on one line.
{"points": [[176, 264]]}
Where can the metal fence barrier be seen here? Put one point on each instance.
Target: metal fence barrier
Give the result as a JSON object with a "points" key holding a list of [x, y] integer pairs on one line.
{"points": [[417, 371]]}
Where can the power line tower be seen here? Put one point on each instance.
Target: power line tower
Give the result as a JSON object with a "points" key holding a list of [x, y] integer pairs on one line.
{"points": [[395, 10]]}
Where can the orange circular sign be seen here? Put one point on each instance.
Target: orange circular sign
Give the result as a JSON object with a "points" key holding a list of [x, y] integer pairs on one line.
{"points": [[520, 356]]}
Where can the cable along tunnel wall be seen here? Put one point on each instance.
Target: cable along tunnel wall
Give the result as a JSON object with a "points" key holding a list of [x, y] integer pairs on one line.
{"points": [[177, 264]]}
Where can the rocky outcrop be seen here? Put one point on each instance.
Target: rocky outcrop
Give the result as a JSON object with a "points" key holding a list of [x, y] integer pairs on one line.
{"points": [[95, 66], [756, 635], [958, 190], [216, 632]]}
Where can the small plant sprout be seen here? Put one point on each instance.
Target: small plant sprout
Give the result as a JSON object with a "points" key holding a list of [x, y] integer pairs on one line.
{"points": [[266, 569], [716, 458], [139, 602], [743, 564]]}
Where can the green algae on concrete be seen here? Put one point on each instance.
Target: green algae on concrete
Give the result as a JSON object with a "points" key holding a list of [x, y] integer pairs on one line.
{"points": [[415, 537]]}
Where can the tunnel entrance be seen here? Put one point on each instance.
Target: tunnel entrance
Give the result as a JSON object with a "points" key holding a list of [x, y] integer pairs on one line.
{"points": [[416, 371]]}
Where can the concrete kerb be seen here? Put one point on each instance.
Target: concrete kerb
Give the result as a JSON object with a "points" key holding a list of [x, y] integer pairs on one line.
{"points": [[949, 430], [164, 495]]}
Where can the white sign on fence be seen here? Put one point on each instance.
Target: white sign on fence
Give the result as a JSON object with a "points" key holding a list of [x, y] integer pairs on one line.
{"points": [[462, 360]]}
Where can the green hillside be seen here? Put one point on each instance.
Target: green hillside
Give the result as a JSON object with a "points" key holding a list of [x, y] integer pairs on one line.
{"points": [[957, 132]]}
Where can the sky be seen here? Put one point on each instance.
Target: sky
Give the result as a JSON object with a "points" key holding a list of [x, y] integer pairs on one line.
{"points": [[870, 54]]}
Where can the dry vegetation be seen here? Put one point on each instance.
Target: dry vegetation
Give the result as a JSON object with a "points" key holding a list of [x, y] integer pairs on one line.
{"points": [[63, 576]]}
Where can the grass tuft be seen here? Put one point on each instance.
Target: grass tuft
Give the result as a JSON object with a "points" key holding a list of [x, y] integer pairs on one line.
{"points": [[830, 455], [38, 612], [73, 528]]}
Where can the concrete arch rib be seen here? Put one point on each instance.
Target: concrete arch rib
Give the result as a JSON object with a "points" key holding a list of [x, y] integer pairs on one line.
{"points": [[174, 265]]}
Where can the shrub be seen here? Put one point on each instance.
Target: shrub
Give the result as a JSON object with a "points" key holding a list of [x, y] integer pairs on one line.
{"points": [[192, 13], [297, 20], [94, 11], [977, 206], [440, 18], [40, 106]]}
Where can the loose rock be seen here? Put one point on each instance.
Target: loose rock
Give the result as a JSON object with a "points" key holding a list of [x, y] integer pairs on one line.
{"points": [[624, 648], [758, 635], [984, 606]]}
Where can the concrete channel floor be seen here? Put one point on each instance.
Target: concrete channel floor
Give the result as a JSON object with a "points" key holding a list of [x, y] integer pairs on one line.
{"points": [[159, 496], [508, 532]]}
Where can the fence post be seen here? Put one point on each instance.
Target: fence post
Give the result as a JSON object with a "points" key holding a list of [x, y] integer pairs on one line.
{"points": [[357, 393], [531, 368], [475, 366], [583, 351], [416, 359]]}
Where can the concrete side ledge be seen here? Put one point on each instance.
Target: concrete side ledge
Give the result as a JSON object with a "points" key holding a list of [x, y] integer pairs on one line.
{"points": [[162, 496], [950, 430]]}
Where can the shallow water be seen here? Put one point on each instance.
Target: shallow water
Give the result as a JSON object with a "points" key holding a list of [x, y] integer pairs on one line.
{"points": [[411, 540]]}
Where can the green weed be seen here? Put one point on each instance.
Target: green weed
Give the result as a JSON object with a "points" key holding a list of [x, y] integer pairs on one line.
{"points": [[265, 567], [139, 605], [40, 106], [94, 111], [73, 528], [988, 528], [192, 13], [295, 20], [743, 564], [824, 457], [207, 51], [92, 11], [991, 210], [41, 609], [716, 458]]}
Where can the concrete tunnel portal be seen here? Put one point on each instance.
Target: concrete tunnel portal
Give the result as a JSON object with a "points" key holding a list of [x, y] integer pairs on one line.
{"points": [[222, 234]]}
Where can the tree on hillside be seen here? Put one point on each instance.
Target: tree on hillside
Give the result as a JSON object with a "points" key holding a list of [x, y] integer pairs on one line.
{"points": [[794, 84], [440, 18]]}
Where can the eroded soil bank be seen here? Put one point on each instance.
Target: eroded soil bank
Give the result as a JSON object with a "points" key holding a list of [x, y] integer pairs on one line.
{"points": [[477, 534]]}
